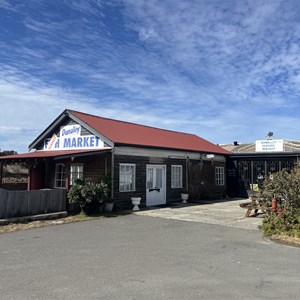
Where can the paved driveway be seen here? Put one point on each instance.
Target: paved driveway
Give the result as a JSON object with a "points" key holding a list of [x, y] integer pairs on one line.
{"points": [[226, 213], [141, 257]]}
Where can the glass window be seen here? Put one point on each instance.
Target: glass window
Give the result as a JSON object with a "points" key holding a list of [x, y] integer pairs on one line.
{"points": [[150, 181], [76, 172], [176, 176], [127, 177], [220, 176], [60, 176]]}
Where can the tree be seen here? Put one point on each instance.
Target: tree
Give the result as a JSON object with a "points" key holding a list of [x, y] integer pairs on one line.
{"points": [[8, 152]]}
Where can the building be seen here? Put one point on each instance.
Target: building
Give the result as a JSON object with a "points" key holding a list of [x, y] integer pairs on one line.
{"points": [[249, 164], [143, 161]]}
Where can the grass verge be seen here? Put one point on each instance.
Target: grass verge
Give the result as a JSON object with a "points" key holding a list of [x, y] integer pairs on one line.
{"points": [[13, 227]]}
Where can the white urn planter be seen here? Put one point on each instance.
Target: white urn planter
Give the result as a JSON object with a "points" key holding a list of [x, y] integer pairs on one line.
{"points": [[184, 197], [109, 206], [136, 201]]}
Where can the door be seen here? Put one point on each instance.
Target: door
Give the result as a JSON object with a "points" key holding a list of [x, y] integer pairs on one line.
{"points": [[156, 185]]}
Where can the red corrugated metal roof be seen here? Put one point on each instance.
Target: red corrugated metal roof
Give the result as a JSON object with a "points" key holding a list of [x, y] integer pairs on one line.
{"points": [[134, 134], [48, 154]]}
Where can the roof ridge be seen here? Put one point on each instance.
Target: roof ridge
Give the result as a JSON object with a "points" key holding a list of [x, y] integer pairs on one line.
{"points": [[132, 123]]}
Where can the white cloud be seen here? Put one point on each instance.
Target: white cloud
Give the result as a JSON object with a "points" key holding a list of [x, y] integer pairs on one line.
{"points": [[224, 70]]}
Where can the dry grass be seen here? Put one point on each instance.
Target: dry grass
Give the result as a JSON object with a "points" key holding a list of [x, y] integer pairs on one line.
{"points": [[285, 239], [13, 227]]}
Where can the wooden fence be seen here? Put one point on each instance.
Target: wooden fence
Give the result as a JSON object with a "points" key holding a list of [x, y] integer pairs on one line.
{"points": [[15, 204]]}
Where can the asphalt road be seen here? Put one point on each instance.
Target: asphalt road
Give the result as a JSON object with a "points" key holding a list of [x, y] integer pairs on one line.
{"points": [[141, 257]]}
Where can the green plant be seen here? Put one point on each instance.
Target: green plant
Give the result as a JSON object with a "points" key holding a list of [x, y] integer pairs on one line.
{"points": [[105, 183], [87, 194], [287, 223], [285, 185]]}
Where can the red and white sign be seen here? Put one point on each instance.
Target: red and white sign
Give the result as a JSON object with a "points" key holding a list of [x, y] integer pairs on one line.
{"points": [[52, 142]]}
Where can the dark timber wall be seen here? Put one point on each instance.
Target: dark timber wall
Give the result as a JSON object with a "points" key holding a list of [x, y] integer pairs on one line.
{"points": [[123, 199], [202, 180], [94, 167]]}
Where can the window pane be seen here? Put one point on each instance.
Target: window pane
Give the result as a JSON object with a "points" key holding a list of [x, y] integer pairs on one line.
{"points": [[176, 176], [76, 172], [60, 176], [127, 177], [220, 175], [150, 178], [158, 183]]}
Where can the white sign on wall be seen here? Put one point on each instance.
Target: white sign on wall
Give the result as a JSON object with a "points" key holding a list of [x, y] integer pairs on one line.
{"points": [[70, 130], [71, 139], [269, 146]]}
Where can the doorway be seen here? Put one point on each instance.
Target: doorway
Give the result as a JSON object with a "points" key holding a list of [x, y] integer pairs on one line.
{"points": [[155, 185]]}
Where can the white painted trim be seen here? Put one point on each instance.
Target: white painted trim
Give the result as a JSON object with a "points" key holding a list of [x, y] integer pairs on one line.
{"points": [[147, 152]]}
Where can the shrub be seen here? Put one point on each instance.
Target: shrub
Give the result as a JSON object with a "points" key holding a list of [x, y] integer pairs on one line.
{"points": [[87, 194], [285, 185], [286, 223]]}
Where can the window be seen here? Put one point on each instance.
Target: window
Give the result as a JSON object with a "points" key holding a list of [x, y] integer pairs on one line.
{"points": [[127, 177], [220, 176], [176, 176], [60, 176], [76, 172]]}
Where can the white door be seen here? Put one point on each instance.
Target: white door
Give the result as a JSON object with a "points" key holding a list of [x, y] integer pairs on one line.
{"points": [[156, 185]]}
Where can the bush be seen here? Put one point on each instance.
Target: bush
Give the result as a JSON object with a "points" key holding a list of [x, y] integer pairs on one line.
{"points": [[87, 194], [287, 223], [286, 186]]}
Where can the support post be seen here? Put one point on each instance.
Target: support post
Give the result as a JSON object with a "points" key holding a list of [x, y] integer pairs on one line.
{"points": [[68, 170], [29, 178], [112, 173], [1, 172], [252, 175]]}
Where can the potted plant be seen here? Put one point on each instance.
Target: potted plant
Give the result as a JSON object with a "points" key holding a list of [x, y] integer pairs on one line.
{"points": [[105, 183]]}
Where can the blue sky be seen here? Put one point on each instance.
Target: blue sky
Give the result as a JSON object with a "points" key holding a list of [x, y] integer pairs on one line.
{"points": [[224, 70]]}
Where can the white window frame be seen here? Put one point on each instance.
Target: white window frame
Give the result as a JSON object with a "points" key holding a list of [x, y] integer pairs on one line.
{"points": [[220, 175], [76, 174], [176, 176], [128, 183], [60, 179]]}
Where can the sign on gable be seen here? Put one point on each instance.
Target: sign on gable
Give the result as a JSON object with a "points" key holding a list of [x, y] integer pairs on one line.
{"points": [[71, 139]]}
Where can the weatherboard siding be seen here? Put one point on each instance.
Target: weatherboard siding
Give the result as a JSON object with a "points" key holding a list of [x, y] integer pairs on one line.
{"points": [[94, 167], [197, 174], [202, 180], [123, 199]]}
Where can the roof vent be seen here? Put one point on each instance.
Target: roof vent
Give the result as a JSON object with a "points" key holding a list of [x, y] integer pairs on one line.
{"points": [[270, 135]]}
